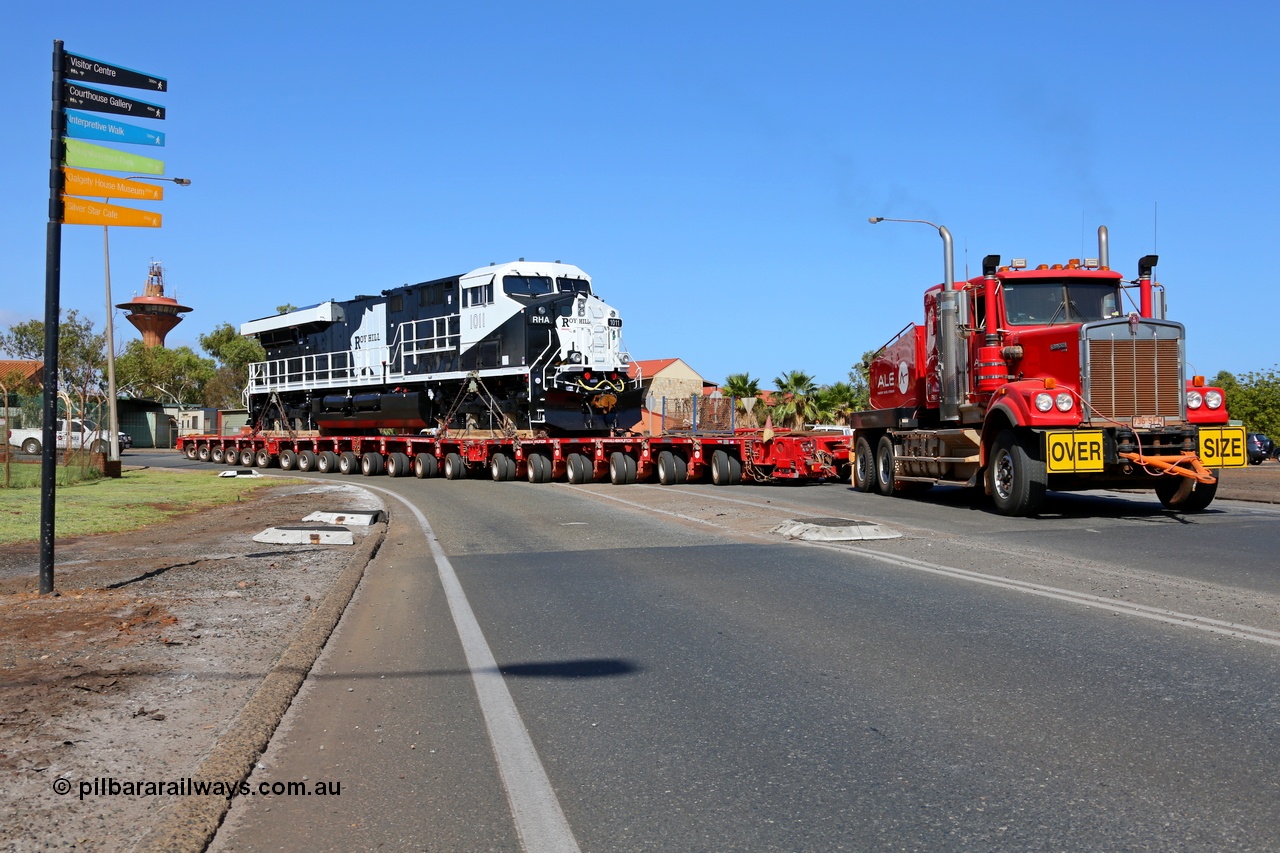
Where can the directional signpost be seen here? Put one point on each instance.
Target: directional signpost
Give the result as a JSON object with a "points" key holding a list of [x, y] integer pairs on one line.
{"points": [[71, 73]]}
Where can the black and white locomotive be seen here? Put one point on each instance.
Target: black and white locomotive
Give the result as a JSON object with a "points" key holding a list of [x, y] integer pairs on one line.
{"points": [[524, 346]]}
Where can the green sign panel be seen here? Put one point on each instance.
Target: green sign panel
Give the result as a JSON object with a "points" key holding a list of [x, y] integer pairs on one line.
{"points": [[86, 155]]}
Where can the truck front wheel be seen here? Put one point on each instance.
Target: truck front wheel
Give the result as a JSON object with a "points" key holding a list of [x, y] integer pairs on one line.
{"points": [[1169, 491], [1015, 477]]}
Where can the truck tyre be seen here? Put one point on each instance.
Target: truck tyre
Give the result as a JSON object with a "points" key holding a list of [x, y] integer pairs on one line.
{"points": [[216, 455], [1197, 498], [720, 468], [248, 458], [681, 468], [579, 469], [425, 466], [886, 475], [31, 446], [202, 453], [264, 458], [618, 468], [666, 468], [538, 468], [632, 468], [735, 471], [326, 462], [190, 450], [1015, 477], [288, 460], [232, 457], [864, 466], [398, 465], [307, 460], [348, 462], [501, 468], [371, 464], [454, 467]]}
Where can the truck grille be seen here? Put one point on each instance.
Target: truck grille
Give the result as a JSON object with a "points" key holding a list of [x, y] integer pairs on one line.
{"points": [[1134, 374]]}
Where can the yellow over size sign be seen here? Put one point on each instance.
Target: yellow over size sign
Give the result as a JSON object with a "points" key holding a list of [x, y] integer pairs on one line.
{"points": [[1223, 447], [1073, 451]]}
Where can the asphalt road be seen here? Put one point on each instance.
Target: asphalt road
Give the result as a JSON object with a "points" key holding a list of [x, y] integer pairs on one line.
{"points": [[1101, 677]]}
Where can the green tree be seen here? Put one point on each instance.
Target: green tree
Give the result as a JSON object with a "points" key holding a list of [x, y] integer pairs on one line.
{"points": [[82, 352], [860, 381], [233, 353], [1254, 399], [797, 402], [741, 387], [176, 375], [286, 308], [835, 403]]}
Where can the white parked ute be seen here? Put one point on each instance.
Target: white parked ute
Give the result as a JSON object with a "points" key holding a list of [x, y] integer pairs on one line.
{"points": [[73, 434]]}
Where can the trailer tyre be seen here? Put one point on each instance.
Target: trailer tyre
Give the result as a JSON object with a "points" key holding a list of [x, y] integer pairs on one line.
{"points": [[720, 473], [349, 462], [618, 468], [425, 466], [248, 458], [326, 462], [579, 469], [1169, 491], [632, 468], [236, 457], [1016, 478], [307, 460], [538, 467], [886, 475], [190, 451], [398, 465], [501, 468], [666, 469], [216, 455], [371, 464], [864, 466], [264, 458], [288, 460], [454, 467], [202, 453]]}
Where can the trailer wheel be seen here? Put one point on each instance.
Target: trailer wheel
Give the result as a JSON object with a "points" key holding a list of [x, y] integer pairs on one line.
{"points": [[326, 462], [248, 458], [682, 468], [307, 460], [264, 458], [501, 468], [216, 455], [885, 474], [190, 451], [454, 467], [1196, 499], [539, 468], [371, 464], [864, 466], [632, 468], [720, 473], [667, 468], [202, 453], [398, 465], [1017, 479], [618, 468], [348, 462], [425, 466], [579, 469], [232, 457], [288, 460]]}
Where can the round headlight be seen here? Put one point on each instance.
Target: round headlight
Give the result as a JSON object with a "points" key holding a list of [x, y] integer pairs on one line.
{"points": [[1213, 399], [1044, 402], [1063, 402], [1194, 399]]}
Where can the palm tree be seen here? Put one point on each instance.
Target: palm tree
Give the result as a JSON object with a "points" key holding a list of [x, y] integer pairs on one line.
{"points": [[741, 387], [797, 404], [836, 402]]}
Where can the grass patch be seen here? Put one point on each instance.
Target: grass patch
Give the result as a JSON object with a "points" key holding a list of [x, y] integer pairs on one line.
{"points": [[26, 475], [136, 499]]}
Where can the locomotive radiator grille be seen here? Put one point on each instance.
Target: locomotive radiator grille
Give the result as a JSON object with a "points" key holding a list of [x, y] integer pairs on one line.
{"points": [[1132, 375]]}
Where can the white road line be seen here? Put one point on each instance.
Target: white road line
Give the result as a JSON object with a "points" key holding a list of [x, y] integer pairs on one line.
{"points": [[539, 820], [1142, 611]]}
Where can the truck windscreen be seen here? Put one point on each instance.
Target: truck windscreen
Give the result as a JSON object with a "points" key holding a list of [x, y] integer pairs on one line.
{"points": [[1042, 303]]}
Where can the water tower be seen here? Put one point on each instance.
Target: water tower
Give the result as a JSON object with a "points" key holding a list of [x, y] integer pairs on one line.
{"points": [[153, 313]]}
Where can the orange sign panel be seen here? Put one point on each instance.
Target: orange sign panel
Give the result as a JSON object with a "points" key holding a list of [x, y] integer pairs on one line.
{"points": [[80, 182], [80, 211]]}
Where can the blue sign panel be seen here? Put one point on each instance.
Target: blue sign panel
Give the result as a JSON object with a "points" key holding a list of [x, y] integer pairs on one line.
{"points": [[82, 125]]}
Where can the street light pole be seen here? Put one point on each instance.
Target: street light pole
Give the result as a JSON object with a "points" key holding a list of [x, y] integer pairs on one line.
{"points": [[113, 410]]}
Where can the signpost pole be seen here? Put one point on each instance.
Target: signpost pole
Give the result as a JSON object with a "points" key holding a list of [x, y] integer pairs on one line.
{"points": [[52, 286]]}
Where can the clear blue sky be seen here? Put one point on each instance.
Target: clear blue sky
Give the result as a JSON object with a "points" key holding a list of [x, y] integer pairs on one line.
{"points": [[711, 165]]}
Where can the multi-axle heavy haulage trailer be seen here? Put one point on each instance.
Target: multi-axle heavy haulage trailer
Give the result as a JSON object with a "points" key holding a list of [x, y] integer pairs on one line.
{"points": [[745, 456]]}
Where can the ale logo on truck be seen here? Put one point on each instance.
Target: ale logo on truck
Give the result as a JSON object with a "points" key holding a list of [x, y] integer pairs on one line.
{"points": [[1073, 451], [1222, 447]]}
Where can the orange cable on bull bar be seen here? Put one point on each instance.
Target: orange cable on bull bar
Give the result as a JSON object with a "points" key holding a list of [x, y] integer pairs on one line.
{"points": [[1198, 472]]}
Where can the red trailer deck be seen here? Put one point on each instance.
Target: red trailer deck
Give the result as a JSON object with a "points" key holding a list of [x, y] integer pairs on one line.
{"points": [[753, 456]]}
